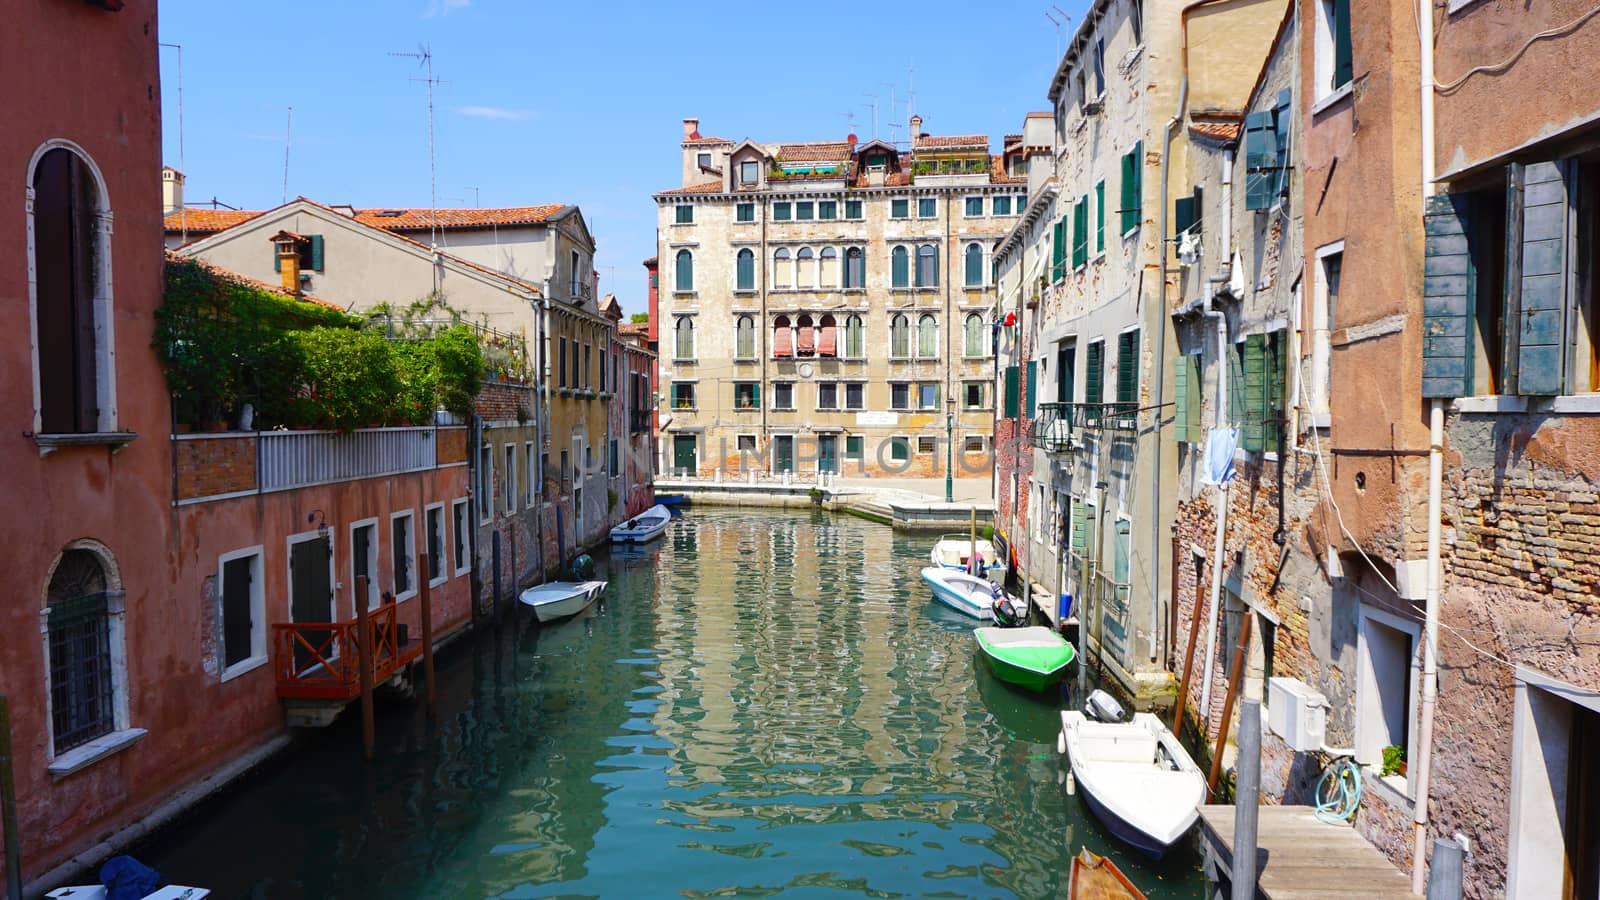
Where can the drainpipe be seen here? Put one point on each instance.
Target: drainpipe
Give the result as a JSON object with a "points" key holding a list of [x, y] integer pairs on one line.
{"points": [[1221, 516], [1430, 647], [1161, 364]]}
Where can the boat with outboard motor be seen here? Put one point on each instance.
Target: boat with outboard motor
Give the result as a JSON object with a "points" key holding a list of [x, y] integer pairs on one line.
{"points": [[1032, 657], [1135, 775], [954, 551], [646, 526], [962, 592]]}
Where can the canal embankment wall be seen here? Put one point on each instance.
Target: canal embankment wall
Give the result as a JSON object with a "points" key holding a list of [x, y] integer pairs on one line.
{"points": [[898, 508]]}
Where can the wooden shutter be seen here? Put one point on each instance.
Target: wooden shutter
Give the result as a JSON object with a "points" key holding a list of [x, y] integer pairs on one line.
{"points": [[1235, 375], [1128, 369], [1099, 216], [1260, 160], [1129, 189], [1080, 227], [1277, 387], [1447, 298], [1094, 377], [1540, 276], [1183, 215], [1255, 391], [316, 252], [1011, 392], [1342, 64], [1058, 250], [1132, 208], [1186, 400], [1033, 386], [1080, 526], [899, 267]]}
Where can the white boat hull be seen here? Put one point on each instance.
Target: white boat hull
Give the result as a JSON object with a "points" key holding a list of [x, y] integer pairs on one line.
{"points": [[961, 592], [953, 551], [1139, 781], [561, 599], [646, 526]]}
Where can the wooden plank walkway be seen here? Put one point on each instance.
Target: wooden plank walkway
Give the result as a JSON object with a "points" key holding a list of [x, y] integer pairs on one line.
{"points": [[1301, 858]]}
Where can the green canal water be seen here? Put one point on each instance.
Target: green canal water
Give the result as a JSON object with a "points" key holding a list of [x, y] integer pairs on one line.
{"points": [[764, 704]]}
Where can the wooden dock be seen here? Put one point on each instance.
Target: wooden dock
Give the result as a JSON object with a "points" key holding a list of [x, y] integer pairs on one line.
{"points": [[1299, 857]]}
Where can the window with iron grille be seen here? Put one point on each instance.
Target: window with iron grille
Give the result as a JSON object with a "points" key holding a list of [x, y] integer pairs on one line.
{"points": [[79, 627]]}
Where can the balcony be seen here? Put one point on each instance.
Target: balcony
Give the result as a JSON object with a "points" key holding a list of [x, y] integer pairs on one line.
{"points": [[320, 660], [215, 466], [1059, 427]]}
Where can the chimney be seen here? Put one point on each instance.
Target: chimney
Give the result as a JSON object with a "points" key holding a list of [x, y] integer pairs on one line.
{"points": [[288, 262], [916, 127], [691, 129], [171, 190]]}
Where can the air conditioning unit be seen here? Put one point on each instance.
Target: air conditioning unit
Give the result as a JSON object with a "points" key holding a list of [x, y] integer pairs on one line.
{"points": [[1297, 713]]}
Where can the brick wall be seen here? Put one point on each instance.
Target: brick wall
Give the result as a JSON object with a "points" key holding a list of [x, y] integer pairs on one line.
{"points": [[499, 401], [210, 466]]}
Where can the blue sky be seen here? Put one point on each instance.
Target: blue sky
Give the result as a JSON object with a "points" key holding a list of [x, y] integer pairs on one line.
{"points": [[572, 103]]}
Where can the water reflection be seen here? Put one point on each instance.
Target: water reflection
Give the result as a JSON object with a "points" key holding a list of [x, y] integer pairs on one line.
{"points": [[764, 703]]}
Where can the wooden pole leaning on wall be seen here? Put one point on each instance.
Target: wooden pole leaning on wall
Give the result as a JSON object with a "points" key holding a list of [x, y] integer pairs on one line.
{"points": [[1227, 705], [364, 664], [1188, 655], [8, 806], [427, 638]]}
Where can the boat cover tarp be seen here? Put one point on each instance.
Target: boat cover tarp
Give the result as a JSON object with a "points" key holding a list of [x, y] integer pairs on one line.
{"points": [[125, 878]]}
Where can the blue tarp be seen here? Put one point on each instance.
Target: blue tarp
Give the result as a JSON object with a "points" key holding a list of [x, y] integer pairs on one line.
{"points": [[125, 878]]}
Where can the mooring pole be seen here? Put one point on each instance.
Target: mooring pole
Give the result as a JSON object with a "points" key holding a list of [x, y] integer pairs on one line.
{"points": [[494, 557], [1188, 656], [427, 638], [1444, 870], [8, 806], [1247, 801], [364, 662], [1227, 705]]}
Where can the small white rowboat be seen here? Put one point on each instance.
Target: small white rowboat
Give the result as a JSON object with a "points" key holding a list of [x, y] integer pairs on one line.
{"points": [[646, 526], [1139, 781], [560, 599], [962, 592]]}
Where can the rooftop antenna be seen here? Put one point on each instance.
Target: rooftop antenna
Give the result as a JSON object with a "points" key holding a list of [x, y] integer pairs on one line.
{"points": [[1057, 24], [474, 196], [874, 107], [850, 121], [893, 106], [288, 130], [911, 91], [424, 57], [183, 214]]}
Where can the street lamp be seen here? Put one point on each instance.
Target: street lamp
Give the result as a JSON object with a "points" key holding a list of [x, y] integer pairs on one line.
{"points": [[949, 448]]}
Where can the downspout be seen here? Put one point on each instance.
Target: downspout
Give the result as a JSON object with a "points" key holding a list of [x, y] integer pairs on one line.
{"points": [[541, 425], [1221, 421], [1161, 361], [1430, 647]]}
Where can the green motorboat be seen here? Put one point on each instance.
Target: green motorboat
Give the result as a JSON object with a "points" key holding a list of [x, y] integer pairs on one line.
{"points": [[1034, 657]]}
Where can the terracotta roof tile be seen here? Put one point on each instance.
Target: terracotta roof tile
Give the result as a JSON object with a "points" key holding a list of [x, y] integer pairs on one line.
{"points": [[1225, 132], [709, 187], [932, 141], [207, 221], [816, 151], [652, 261], [628, 329], [997, 172], [706, 140]]}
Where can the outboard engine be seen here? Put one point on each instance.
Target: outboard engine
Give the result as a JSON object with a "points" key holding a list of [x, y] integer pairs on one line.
{"points": [[1104, 707], [1009, 612], [582, 568]]}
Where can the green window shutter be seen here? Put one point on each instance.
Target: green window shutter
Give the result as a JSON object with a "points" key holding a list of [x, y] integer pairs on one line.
{"points": [[1182, 215], [1011, 392], [1100, 217], [1058, 250], [1447, 298], [1539, 277], [1255, 391], [1125, 201], [1122, 548], [1196, 433], [277, 264], [1095, 374], [1128, 368], [1180, 400], [316, 253], [1080, 228], [1343, 67], [755, 395], [1033, 386], [1080, 526], [1261, 160], [1236, 410], [899, 449], [899, 267], [1277, 387], [1135, 212]]}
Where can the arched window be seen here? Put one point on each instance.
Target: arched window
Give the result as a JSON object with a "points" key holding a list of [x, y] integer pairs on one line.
{"points": [[746, 270], [927, 336], [974, 335], [927, 266], [899, 337], [71, 249], [828, 268], [855, 268], [685, 280], [974, 261], [782, 337], [782, 269], [81, 670], [827, 336], [855, 338], [805, 268], [899, 268], [808, 337], [684, 347], [744, 338]]}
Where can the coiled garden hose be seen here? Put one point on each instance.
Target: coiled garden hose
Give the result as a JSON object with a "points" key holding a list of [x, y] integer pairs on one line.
{"points": [[1337, 800]]}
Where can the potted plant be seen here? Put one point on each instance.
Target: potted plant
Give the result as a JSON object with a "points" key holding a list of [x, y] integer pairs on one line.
{"points": [[1394, 761]]}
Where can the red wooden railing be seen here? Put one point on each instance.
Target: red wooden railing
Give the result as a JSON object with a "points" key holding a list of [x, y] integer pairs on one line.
{"points": [[319, 660]]}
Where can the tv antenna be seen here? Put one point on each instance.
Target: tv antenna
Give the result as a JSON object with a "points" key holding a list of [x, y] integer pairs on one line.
{"points": [[850, 121], [183, 218], [1060, 20], [873, 106], [424, 57], [288, 131]]}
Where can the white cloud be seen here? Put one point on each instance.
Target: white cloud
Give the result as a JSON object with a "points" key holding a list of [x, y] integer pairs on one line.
{"points": [[494, 112], [444, 7]]}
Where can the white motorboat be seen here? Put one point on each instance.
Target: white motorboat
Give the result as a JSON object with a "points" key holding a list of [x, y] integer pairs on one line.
{"points": [[98, 892], [954, 551], [646, 526], [560, 599], [962, 592], [1139, 781]]}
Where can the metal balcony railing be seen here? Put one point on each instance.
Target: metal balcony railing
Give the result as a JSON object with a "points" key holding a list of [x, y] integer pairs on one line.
{"points": [[1059, 427], [291, 459]]}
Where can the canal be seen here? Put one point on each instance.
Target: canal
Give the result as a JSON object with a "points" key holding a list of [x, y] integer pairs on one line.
{"points": [[766, 703]]}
